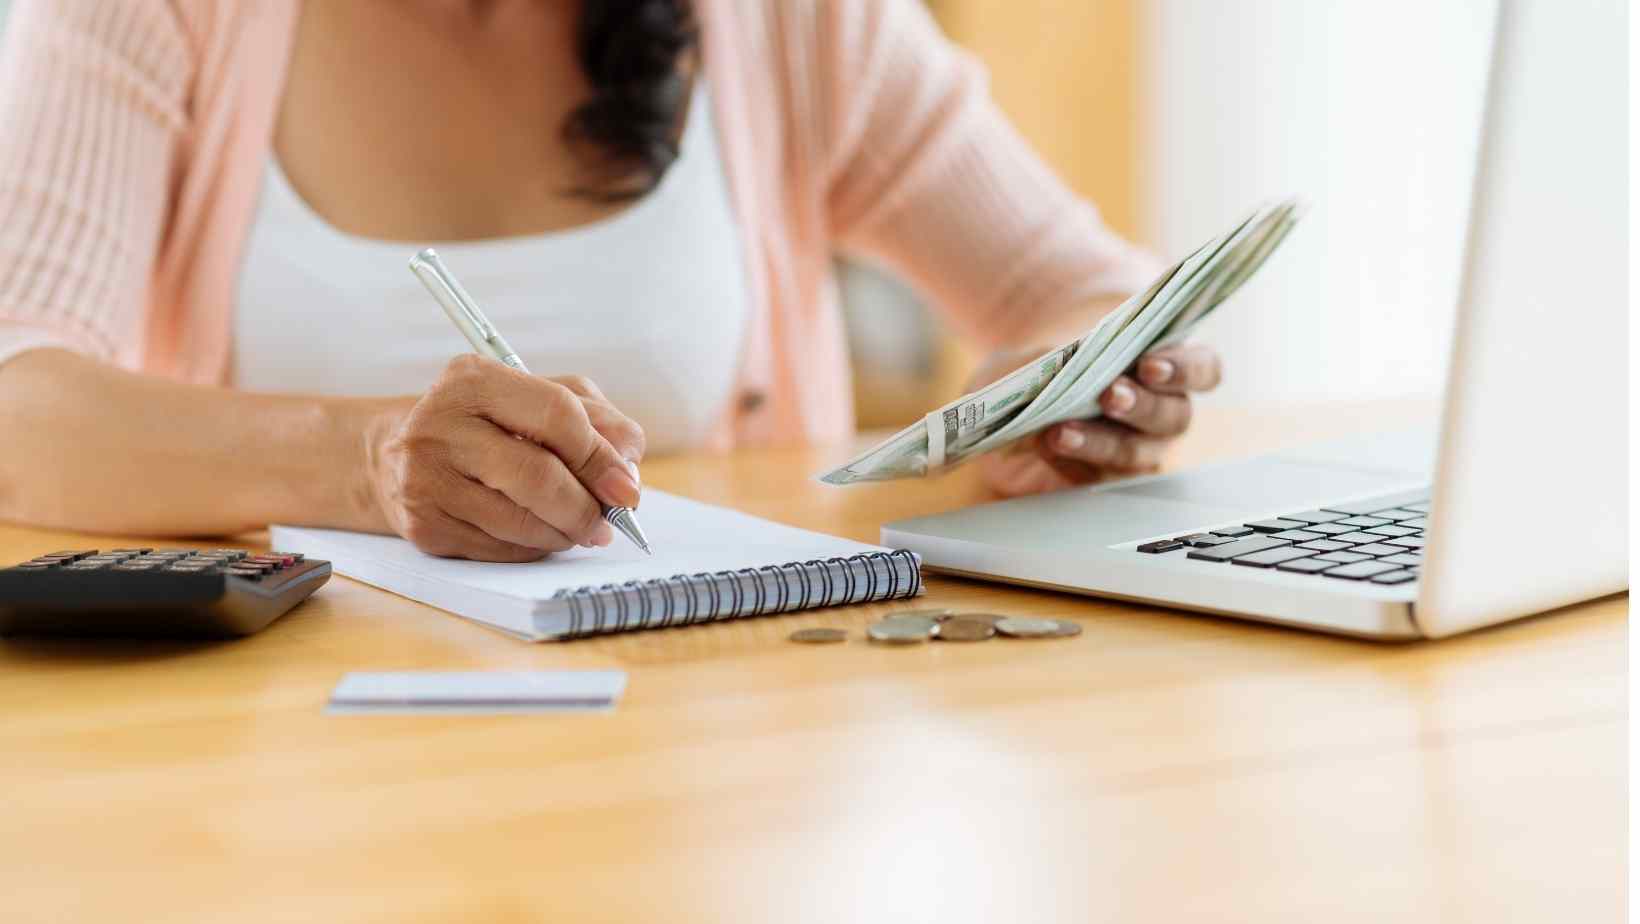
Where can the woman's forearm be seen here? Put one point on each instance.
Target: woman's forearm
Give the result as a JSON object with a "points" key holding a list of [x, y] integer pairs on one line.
{"points": [[85, 446]]}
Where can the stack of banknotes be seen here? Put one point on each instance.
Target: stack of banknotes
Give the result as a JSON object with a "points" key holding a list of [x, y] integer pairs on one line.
{"points": [[1066, 383]]}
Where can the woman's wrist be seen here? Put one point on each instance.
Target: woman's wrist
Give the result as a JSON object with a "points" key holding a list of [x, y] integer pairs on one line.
{"points": [[352, 433]]}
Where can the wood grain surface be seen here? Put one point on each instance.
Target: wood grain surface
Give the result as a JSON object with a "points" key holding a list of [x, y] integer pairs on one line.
{"points": [[1161, 767]]}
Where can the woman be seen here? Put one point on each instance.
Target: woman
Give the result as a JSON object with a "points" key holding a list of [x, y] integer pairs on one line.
{"points": [[206, 207]]}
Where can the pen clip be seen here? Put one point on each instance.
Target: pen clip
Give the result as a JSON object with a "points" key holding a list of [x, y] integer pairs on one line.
{"points": [[457, 303]]}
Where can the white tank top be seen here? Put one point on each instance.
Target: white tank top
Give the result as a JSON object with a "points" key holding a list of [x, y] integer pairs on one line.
{"points": [[650, 304]]}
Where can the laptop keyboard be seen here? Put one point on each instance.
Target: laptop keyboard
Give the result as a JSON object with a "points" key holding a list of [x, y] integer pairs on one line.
{"points": [[1380, 541]]}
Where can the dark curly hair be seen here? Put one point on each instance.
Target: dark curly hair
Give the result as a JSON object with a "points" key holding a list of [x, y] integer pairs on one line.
{"points": [[632, 53]]}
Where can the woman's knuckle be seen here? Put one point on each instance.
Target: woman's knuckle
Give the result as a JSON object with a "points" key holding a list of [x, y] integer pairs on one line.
{"points": [[629, 433]]}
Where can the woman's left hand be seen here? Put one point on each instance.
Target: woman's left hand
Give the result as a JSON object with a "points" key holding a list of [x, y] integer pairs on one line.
{"points": [[1143, 412]]}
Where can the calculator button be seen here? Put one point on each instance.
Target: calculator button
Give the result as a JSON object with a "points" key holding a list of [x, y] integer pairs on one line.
{"points": [[249, 574], [70, 556], [135, 566], [230, 554], [32, 566], [129, 551], [86, 566], [297, 557]]}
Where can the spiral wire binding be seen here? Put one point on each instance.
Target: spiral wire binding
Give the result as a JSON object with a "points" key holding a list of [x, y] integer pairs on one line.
{"points": [[656, 602]]}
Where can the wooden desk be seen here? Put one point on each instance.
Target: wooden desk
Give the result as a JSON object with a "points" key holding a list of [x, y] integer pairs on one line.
{"points": [[1161, 767]]}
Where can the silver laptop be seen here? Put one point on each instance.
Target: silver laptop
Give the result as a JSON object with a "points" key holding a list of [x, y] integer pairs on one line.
{"points": [[1513, 503]]}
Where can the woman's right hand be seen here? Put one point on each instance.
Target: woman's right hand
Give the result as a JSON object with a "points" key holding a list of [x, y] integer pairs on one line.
{"points": [[451, 474]]}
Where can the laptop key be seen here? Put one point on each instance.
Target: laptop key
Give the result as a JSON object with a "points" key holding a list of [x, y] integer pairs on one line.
{"points": [[1161, 545], [1395, 577], [1274, 526], [1406, 542], [1375, 549], [1360, 571], [1356, 538], [1269, 558], [1343, 558], [1409, 559], [1406, 499], [1420, 507], [1296, 535], [1206, 540], [1363, 522], [1313, 517], [1392, 530], [1397, 514], [1329, 529], [1238, 548], [1324, 545], [1306, 565], [1420, 523], [1233, 532]]}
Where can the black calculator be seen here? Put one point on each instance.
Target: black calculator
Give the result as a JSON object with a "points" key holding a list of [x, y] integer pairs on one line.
{"points": [[177, 593]]}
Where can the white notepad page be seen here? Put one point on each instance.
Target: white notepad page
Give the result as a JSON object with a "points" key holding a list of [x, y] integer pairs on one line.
{"points": [[687, 536]]}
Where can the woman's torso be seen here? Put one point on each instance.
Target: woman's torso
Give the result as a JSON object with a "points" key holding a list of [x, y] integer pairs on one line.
{"points": [[650, 302]]}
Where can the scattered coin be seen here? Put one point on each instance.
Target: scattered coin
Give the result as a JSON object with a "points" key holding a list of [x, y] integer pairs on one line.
{"points": [[958, 629], [904, 632], [936, 615], [1027, 627], [1067, 629], [818, 636], [923, 624], [992, 618]]}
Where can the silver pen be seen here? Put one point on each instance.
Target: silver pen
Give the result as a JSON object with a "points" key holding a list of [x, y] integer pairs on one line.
{"points": [[478, 330]]}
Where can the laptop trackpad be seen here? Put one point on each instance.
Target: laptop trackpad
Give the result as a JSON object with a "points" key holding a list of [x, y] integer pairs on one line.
{"points": [[1267, 486]]}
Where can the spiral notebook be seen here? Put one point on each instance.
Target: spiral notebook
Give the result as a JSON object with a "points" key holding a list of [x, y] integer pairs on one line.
{"points": [[710, 563]]}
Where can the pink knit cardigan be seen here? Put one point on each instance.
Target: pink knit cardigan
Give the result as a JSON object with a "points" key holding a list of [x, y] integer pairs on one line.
{"points": [[134, 133]]}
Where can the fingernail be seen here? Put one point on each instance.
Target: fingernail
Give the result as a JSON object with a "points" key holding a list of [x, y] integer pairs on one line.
{"points": [[632, 466], [1071, 439], [1158, 371], [602, 534], [617, 487], [1122, 398]]}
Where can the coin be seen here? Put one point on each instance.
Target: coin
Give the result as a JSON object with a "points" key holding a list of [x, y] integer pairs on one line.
{"points": [[1026, 627], [818, 636], [923, 624], [1067, 629], [904, 632], [958, 629], [992, 618], [936, 615]]}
